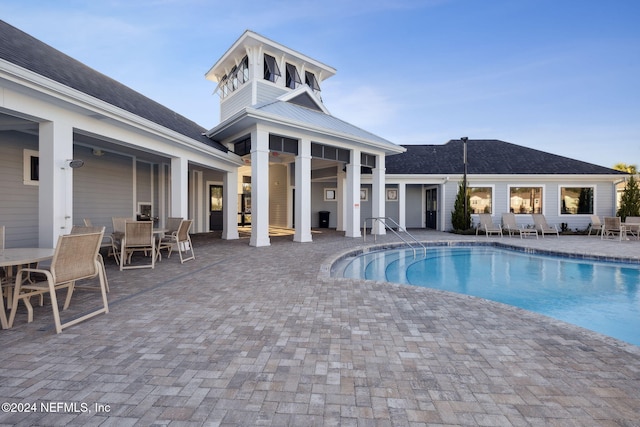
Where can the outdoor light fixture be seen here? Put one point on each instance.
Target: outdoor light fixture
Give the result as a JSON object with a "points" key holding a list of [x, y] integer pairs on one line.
{"points": [[75, 163]]}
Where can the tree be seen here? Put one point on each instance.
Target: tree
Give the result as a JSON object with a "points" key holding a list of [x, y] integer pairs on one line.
{"points": [[630, 200], [458, 220], [632, 169]]}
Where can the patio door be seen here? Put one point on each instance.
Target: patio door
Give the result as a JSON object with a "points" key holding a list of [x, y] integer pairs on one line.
{"points": [[215, 207], [432, 208]]}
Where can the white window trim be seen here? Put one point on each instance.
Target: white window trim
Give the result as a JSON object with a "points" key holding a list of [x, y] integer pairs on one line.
{"points": [[595, 199], [493, 194], [26, 166], [544, 196]]}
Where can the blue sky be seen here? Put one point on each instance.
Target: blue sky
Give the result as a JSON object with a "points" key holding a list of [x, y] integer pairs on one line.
{"points": [[561, 76]]}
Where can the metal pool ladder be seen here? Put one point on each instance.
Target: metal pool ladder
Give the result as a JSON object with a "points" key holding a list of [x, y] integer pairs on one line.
{"points": [[384, 220]]}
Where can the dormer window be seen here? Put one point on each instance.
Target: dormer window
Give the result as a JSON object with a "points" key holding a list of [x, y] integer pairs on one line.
{"points": [[310, 80], [293, 78], [271, 69]]}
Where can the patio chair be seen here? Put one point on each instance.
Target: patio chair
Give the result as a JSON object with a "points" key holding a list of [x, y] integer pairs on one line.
{"points": [[541, 225], [166, 241], [632, 226], [181, 241], [76, 229], [486, 224], [138, 236], [107, 241], [75, 258], [612, 227], [596, 224], [509, 224]]}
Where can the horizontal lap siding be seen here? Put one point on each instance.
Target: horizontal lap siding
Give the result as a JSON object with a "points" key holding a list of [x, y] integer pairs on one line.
{"points": [[103, 188], [19, 207]]}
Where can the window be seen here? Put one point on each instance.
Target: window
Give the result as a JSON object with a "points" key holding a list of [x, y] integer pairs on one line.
{"points": [[525, 200], [271, 69], [237, 76], [30, 167], [480, 199], [576, 200], [310, 80], [292, 76]]}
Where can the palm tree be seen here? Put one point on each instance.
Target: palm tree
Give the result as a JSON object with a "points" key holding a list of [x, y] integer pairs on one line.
{"points": [[632, 169]]}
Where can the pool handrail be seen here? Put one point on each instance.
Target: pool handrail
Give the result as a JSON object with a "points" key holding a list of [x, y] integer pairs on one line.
{"points": [[383, 220]]}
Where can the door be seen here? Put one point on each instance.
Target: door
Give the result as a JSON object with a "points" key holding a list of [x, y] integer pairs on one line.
{"points": [[215, 207], [432, 208]]}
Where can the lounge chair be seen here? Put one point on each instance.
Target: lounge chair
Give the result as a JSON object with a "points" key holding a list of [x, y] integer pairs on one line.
{"points": [[612, 227], [596, 224], [509, 225], [541, 225], [632, 226], [486, 224]]}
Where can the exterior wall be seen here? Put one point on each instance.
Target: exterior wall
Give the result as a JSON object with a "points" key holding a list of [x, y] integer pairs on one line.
{"points": [[235, 102], [103, 188], [392, 208], [144, 186], [278, 206], [268, 91], [319, 204], [19, 207], [414, 206]]}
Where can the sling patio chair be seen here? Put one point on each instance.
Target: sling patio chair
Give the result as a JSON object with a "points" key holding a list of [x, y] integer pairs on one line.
{"points": [[77, 229], [75, 258], [612, 227], [632, 226], [595, 224], [486, 225], [541, 225], [180, 241], [116, 237], [138, 237]]}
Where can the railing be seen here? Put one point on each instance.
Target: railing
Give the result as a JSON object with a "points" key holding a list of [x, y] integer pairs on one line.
{"points": [[384, 220]]}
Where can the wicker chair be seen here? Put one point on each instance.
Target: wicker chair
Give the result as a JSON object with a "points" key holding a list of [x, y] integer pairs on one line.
{"points": [[75, 258]]}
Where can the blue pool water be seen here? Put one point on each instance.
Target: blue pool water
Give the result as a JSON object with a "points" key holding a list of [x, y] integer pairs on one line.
{"points": [[600, 296]]}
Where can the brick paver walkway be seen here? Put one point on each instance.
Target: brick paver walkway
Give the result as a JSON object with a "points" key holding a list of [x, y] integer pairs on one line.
{"points": [[262, 336]]}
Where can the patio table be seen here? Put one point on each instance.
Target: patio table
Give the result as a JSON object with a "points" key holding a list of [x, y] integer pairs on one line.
{"points": [[16, 257]]}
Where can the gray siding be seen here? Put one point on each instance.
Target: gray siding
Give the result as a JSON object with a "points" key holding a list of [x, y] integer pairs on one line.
{"points": [[103, 188], [268, 92], [235, 102], [19, 207], [414, 206], [278, 206]]}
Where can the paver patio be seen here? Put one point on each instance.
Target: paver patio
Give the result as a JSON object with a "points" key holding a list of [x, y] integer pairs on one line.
{"points": [[248, 336]]}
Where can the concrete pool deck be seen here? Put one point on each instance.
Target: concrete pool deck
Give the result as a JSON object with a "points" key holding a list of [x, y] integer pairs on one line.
{"points": [[246, 336]]}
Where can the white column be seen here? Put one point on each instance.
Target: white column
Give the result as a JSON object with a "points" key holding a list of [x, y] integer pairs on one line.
{"points": [[341, 198], [230, 206], [55, 192], [378, 198], [353, 196], [259, 188], [402, 205], [179, 187], [303, 192]]}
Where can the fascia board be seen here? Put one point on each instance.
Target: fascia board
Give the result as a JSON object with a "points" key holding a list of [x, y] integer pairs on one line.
{"points": [[94, 107]]}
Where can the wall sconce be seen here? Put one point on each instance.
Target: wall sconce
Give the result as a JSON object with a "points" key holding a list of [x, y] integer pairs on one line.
{"points": [[75, 163], [97, 152]]}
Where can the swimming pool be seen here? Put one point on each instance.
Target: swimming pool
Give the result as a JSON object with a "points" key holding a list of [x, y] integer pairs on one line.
{"points": [[597, 295]]}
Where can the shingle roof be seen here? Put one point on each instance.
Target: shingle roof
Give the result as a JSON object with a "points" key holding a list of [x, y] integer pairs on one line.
{"points": [[487, 157], [30, 53]]}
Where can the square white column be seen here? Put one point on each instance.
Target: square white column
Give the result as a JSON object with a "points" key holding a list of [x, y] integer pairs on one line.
{"points": [[179, 187], [402, 205], [230, 206], [55, 192], [353, 196], [378, 197], [259, 188], [341, 198], [303, 192]]}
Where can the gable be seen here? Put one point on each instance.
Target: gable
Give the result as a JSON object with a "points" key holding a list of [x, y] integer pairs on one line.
{"points": [[305, 100]]}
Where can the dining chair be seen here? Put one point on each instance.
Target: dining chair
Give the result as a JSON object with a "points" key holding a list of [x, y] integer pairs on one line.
{"points": [[138, 236], [75, 258], [166, 241], [181, 241], [118, 224]]}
